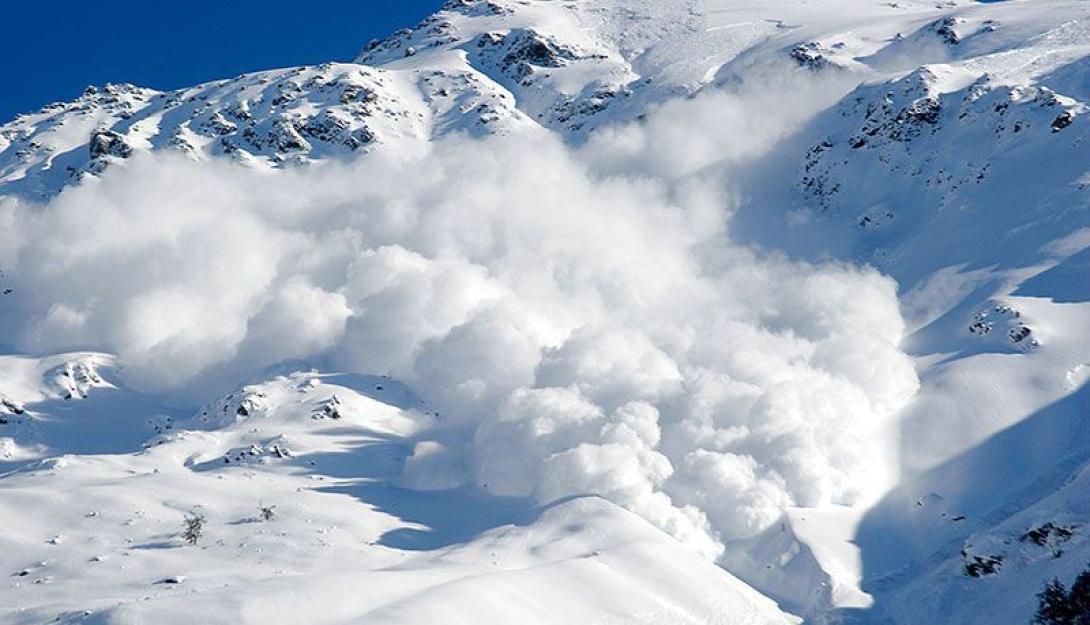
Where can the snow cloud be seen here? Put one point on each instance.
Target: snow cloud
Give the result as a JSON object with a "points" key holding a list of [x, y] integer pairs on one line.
{"points": [[579, 315]]}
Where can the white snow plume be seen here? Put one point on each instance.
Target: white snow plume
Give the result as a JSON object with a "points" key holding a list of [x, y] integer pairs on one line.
{"points": [[581, 331], [759, 103]]}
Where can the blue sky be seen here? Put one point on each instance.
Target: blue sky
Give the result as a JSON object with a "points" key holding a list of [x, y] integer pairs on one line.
{"points": [[51, 50]]}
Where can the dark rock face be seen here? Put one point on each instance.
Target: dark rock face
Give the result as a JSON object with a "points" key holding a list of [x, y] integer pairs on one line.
{"points": [[1049, 535], [329, 127], [285, 138], [923, 111], [520, 52], [810, 56], [109, 143], [946, 30], [1063, 121], [980, 566], [218, 125], [540, 52]]}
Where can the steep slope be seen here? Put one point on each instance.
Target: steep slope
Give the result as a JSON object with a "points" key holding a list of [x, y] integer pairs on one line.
{"points": [[965, 180]]}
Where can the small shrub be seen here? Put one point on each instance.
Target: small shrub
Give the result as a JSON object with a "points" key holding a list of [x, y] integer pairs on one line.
{"points": [[268, 513], [193, 527], [1056, 605]]}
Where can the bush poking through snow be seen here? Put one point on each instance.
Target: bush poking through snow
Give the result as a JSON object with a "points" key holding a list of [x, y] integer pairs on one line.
{"points": [[193, 527], [1058, 606], [268, 513]]}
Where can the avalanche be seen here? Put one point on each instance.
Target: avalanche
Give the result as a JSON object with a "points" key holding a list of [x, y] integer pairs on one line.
{"points": [[538, 312]]}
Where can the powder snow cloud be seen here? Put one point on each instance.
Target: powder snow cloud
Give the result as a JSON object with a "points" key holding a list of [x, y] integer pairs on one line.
{"points": [[580, 316]]}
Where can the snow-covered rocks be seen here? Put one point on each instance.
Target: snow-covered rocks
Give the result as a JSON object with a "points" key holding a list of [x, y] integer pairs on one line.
{"points": [[233, 408], [893, 129], [9, 406], [271, 450], [1011, 325], [76, 378], [108, 143], [268, 119], [811, 55], [990, 552]]}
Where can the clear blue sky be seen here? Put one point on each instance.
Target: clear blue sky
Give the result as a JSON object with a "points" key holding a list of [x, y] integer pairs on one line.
{"points": [[50, 51]]}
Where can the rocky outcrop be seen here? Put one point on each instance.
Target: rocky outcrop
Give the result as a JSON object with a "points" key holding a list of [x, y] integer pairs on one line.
{"points": [[109, 143], [897, 127]]}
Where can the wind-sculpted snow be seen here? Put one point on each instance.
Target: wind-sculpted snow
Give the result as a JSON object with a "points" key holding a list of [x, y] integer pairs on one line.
{"points": [[589, 334]]}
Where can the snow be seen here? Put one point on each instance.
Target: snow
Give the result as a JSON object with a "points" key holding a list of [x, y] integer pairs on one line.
{"points": [[561, 312], [112, 548]]}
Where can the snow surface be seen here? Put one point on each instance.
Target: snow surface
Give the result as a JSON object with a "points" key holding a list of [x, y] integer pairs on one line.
{"points": [[561, 312], [345, 542]]}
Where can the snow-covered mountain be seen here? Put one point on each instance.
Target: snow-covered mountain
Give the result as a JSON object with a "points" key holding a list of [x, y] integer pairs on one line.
{"points": [[591, 311]]}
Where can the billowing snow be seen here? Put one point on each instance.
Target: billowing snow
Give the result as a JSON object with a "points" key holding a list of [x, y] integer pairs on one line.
{"points": [[537, 312]]}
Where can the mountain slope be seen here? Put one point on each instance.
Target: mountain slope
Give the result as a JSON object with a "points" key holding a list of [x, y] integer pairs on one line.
{"points": [[624, 249], [478, 67]]}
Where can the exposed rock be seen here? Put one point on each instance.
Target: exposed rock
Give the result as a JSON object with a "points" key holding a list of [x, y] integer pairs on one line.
{"points": [[810, 55], [109, 143], [946, 29], [980, 566]]}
